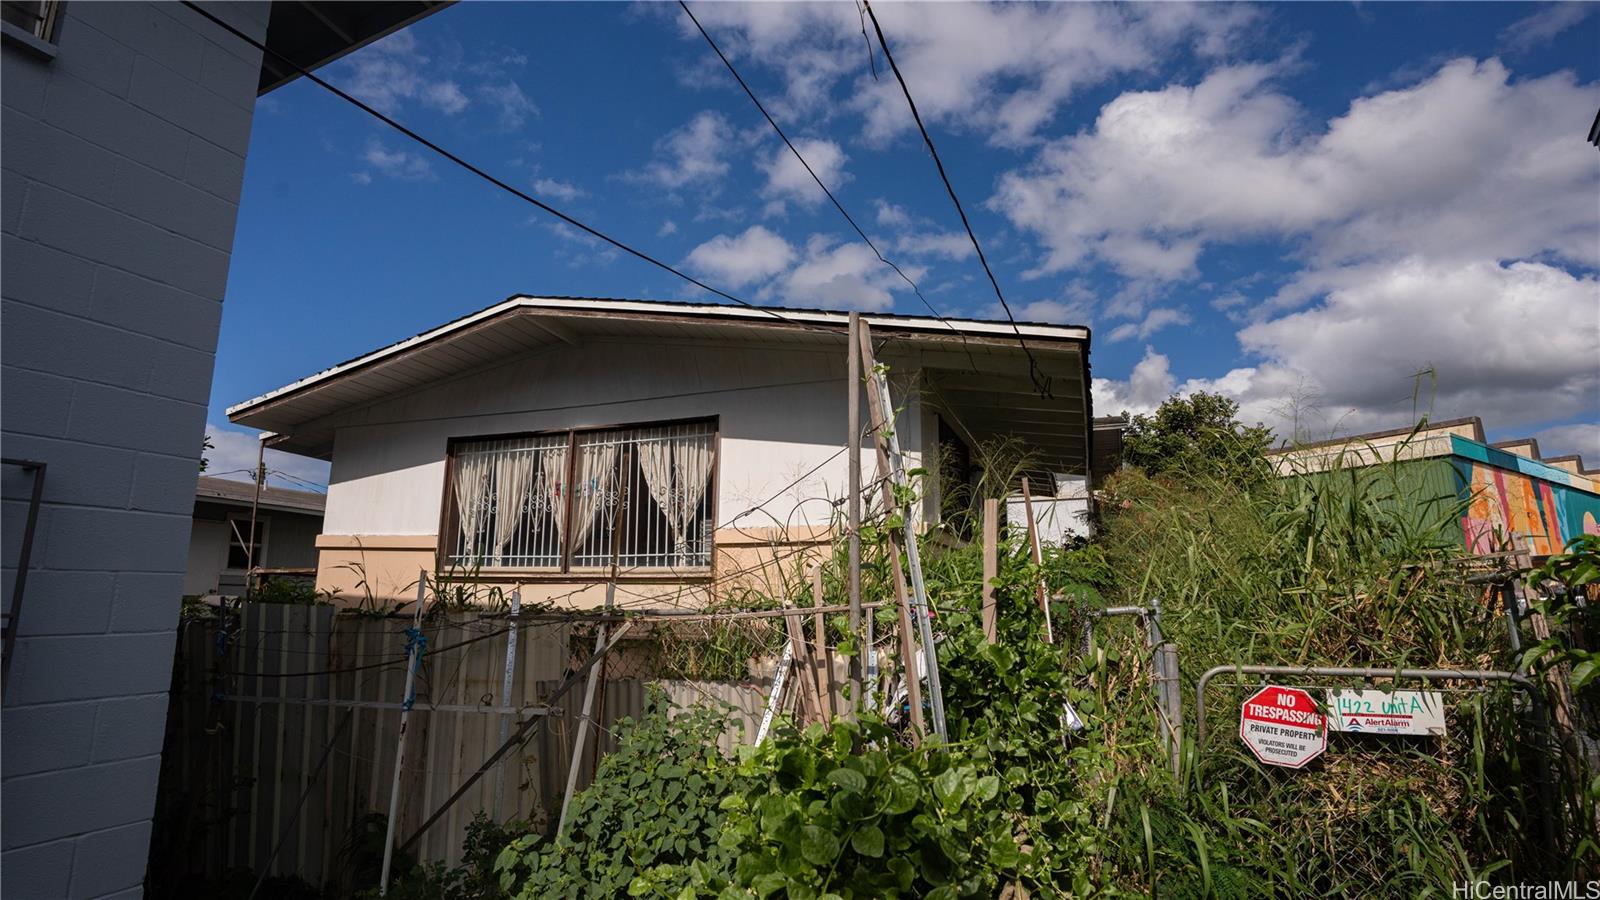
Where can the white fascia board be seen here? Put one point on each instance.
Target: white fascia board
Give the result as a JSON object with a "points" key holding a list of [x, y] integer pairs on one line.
{"points": [[709, 311]]}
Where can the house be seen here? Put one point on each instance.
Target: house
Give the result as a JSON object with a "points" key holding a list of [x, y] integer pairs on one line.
{"points": [[695, 449], [1508, 497], [125, 130], [224, 547]]}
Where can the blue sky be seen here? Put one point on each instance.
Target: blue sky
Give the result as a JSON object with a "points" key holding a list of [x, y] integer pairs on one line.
{"points": [[1299, 205]]}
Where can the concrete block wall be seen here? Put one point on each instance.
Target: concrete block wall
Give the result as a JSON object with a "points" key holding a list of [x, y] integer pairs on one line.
{"points": [[122, 162]]}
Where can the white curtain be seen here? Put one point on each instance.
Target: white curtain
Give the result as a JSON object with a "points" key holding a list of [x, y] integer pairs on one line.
{"points": [[691, 469], [553, 472], [471, 486], [513, 476], [597, 464], [677, 471], [655, 463]]}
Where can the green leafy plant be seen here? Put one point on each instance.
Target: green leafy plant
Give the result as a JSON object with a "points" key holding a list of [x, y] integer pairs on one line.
{"points": [[654, 807], [1564, 583]]}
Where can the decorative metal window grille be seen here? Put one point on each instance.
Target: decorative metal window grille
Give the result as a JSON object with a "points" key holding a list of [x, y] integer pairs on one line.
{"points": [[636, 497]]}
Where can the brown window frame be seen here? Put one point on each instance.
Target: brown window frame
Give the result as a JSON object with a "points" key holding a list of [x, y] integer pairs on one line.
{"points": [[449, 522]]}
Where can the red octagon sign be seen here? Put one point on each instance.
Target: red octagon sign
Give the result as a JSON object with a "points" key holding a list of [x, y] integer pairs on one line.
{"points": [[1283, 727]]}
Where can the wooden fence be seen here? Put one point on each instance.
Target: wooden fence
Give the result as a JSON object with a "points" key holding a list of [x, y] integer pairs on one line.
{"points": [[283, 725]]}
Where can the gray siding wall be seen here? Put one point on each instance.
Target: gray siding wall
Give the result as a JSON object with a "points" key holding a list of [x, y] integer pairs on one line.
{"points": [[123, 159]]}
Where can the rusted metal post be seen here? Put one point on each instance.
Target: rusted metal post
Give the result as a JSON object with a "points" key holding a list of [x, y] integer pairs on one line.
{"points": [[991, 565]]}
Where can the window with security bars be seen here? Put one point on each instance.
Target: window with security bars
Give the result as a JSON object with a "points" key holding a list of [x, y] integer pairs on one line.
{"points": [[636, 498]]}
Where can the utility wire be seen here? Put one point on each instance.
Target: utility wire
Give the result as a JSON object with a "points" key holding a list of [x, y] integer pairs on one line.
{"points": [[392, 123], [814, 177], [1041, 382]]}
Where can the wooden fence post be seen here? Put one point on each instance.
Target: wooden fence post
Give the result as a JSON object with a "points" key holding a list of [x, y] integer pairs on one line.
{"points": [[823, 657]]}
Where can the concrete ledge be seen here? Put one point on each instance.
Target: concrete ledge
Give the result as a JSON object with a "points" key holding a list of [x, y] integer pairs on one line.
{"points": [[377, 542]]}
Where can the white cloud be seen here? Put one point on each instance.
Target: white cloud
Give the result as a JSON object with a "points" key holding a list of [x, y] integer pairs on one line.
{"points": [[402, 164], [395, 70], [556, 189], [361, 178], [692, 154], [1582, 438], [951, 245], [444, 96], [891, 215], [512, 105], [1541, 27], [388, 72], [1147, 385], [668, 227], [1002, 70], [1524, 355], [788, 180], [1164, 173], [233, 456], [753, 256], [1155, 320], [841, 276], [579, 248]]}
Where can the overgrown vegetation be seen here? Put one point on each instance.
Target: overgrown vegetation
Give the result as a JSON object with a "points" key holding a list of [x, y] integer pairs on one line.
{"points": [[1346, 569]]}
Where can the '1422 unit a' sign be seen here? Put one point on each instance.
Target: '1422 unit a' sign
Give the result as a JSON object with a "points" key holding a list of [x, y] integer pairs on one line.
{"points": [[1386, 712]]}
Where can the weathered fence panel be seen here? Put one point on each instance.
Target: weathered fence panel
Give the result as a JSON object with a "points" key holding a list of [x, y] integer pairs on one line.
{"points": [[284, 721]]}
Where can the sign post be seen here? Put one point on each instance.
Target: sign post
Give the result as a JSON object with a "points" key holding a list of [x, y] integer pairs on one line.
{"points": [[1283, 727]]}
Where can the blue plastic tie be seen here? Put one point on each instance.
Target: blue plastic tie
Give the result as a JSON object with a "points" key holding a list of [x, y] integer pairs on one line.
{"points": [[415, 640]]}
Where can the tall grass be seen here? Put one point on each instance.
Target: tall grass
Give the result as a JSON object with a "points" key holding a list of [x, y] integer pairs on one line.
{"points": [[1352, 567]]}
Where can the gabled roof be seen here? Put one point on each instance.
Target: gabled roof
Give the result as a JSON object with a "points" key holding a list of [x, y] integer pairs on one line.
{"points": [[211, 489], [522, 324]]}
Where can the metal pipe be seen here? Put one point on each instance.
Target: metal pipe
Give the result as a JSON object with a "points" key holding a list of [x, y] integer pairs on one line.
{"points": [[255, 506], [400, 742], [1356, 672], [506, 685], [374, 704], [24, 554]]}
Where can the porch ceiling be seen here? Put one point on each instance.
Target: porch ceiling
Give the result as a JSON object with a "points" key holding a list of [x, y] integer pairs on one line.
{"points": [[1005, 404]]}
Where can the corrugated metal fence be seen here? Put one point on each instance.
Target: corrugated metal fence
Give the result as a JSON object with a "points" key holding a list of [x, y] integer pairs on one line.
{"points": [[284, 724]]}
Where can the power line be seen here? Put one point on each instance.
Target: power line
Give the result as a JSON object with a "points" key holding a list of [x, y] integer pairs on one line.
{"points": [[814, 177], [1041, 382], [392, 123]]}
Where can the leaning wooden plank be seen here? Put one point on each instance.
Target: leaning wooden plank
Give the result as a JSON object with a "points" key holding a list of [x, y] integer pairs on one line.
{"points": [[894, 465], [517, 736]]}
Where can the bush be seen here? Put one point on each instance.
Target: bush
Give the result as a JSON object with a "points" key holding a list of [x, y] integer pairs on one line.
{"points": [[654, 805]]}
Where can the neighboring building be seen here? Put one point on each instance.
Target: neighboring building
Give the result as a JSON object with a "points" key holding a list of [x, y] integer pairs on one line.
{"points": [[723, 427], [1506, 495], [125, 127], [284, 539]]}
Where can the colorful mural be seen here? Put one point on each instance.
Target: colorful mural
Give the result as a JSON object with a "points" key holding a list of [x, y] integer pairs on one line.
{"points": [[1540, 506]]}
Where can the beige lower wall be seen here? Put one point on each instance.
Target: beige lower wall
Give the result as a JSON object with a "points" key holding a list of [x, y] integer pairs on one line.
{"points": [[385, 568]]}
